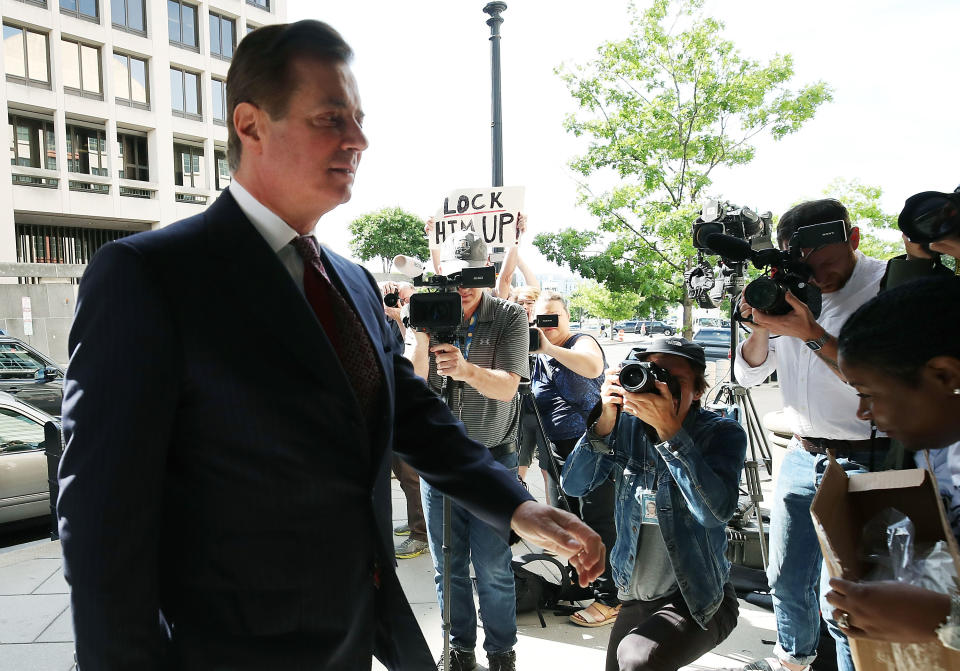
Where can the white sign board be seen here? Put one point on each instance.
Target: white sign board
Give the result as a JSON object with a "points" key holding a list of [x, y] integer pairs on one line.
{"points": [[27, 315], [487, 211]]}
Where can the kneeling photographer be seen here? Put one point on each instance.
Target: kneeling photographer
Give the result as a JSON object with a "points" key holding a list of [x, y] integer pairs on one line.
{"points": [[676, 468], [566, 374]]}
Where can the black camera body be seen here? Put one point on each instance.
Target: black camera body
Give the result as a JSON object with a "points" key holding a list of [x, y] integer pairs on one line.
{"points": [[438, 310], [543, 321], [640, 377]]}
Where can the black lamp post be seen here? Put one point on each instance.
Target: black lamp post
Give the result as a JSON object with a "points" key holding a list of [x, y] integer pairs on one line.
{"points": [[496, 125]]}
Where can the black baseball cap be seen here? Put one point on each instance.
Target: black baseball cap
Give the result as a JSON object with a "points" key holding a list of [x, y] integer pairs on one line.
{"points": [[675, 345], [930, 216]]}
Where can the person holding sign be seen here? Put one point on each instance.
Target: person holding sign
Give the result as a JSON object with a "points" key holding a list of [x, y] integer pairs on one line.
{"points": [[676, 467]]}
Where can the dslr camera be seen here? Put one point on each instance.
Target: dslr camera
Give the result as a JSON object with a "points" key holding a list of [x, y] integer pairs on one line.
{"points": [[640, 377]]}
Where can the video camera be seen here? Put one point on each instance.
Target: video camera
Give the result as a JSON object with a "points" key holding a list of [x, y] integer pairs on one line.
{"points": [[543, 321], [785, 270], [438, 310], [723, 218]]}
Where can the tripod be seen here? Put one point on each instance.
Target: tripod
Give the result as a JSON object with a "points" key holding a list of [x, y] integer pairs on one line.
{"points": [[553, 460], [734, 394]]}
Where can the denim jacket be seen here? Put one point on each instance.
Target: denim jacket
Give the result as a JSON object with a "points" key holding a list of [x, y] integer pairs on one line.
{"points": [[696, 472]]}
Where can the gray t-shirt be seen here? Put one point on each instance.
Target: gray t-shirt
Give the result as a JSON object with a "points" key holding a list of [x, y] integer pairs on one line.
{"points": [[500, 341], [653, 575]]}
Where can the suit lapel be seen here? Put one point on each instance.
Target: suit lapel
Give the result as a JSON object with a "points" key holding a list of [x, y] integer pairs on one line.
{"points": [[262, 287]]}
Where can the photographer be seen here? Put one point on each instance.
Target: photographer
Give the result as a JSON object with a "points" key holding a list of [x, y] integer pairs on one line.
{"points": [[661, 447], [911, 391], [820, 408], [566, 377], [491, 362]]}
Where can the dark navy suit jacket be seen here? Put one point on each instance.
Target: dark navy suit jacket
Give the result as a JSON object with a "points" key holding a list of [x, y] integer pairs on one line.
{"points": [[223, 503]]}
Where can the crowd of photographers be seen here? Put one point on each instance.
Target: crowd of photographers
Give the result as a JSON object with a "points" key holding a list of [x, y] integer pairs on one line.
{"points": [[657, 475]]}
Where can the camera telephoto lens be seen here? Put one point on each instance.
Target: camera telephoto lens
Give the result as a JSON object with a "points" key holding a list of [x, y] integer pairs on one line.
{"points": [[391, 299], [636, 378]]}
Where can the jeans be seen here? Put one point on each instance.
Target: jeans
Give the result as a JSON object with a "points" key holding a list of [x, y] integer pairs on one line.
{"points": [[472, 540], [662, 635], [795, 571]]}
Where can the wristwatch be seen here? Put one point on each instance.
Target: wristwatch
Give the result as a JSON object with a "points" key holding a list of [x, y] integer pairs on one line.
{"points": [[817, 345]]}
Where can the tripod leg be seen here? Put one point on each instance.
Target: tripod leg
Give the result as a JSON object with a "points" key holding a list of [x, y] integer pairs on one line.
{"points": [[751, 475], [447, 539], [764, 445]]}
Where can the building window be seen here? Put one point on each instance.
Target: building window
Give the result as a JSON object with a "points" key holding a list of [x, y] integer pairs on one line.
{"points": [[188, 165], [222, 172], [33, 143], [182, 23], [25, 54], [185, 93], [133, 159], [262, 4], [81, 69], [128, 15], [219, 100], [87, 150], [251, 27], [130, 81], [222, 31], [61, 244], [85, 9]]}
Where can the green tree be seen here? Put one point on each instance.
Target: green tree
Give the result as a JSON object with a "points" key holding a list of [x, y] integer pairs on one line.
{"points": [[863, 203], [661, 109], [599, 301], [385, 233]]}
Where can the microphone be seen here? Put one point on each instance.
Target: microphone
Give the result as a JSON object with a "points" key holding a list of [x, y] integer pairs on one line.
{"points": [[408, 265], [729, 247]]}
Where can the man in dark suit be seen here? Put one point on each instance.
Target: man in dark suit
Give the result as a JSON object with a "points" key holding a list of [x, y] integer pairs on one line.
{"points": [[225, 493]]}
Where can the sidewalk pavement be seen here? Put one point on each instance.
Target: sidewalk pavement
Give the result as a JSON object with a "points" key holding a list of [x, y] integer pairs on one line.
{"points": [[36, 633]]}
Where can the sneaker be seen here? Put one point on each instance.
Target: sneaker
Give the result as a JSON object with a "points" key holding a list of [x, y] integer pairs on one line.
{"points": [[402, 530], [502, 661], [411, 548], [766, 664], [460, 660]]}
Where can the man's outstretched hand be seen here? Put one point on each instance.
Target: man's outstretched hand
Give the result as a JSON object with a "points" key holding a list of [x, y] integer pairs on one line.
{"points": [[560, 532]]}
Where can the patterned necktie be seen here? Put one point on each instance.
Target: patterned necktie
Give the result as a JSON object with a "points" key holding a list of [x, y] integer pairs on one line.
{"points": [[342, 326]]}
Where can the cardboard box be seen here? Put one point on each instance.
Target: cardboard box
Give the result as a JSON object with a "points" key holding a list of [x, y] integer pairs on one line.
{"points": [[841, 508]]}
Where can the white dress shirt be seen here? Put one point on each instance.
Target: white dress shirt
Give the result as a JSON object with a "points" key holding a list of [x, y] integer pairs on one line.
{"points": [[275, 231], [816, 402]]}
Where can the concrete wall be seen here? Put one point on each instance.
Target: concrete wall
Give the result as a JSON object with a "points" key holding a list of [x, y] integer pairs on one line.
{"points": [[52, 302]]}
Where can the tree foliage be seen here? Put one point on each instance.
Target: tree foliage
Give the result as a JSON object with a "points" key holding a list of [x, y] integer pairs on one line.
{"points": [[661, 110], [599, 301], [386, 233], [863, 203]]}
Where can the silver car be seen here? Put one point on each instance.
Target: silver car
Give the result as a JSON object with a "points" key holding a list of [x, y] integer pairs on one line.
{"points": [[24, 489]]}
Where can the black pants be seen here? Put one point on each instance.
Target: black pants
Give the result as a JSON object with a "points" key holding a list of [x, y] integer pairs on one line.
{"points": [[661, 635], [596, 510]]}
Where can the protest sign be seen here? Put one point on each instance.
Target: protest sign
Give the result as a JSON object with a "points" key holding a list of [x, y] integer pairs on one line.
{"points": [[490, 212]]}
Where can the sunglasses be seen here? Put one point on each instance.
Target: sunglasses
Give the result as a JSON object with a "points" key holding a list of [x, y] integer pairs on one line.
{"points": [[930, 216]]}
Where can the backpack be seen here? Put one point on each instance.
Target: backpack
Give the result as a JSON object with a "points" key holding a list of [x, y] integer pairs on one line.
{"points": [[542, 581]]}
